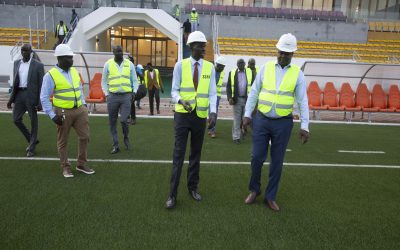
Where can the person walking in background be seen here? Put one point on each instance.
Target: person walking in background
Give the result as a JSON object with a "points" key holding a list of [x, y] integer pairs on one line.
{"points": [[73, 17], [153, 83], [70, 111], [140, 94], [176, 12], [187, 28], [220, 64], [118, 84], [28, 76], [251, 64], [194, 92], [194, 19], [61, 32], [275, 89], [237, 88]]}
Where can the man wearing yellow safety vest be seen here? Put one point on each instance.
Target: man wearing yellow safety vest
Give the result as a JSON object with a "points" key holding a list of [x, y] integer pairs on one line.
{"points": [[194, 19], [177, 12], [251, 64], [118, 83], [153, 83], [194, 92], [276, 87], [220, 64], [61, 31], [237, 88], [69, 108]]}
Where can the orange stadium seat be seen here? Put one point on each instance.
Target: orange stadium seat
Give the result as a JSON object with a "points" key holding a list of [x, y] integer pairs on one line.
{"points": [[96, 94], [314, 94], [378, 99], [393, 99], [331, 97]]}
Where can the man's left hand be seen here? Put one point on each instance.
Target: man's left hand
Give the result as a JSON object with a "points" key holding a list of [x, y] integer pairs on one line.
{"points": [[162, 90], [133, 96], [39, 107], [9, 104], [212, 120], [304, 136]]}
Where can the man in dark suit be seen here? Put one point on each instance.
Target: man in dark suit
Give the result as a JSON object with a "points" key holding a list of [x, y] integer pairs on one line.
{"points": [[237, 89], [28, 76]]}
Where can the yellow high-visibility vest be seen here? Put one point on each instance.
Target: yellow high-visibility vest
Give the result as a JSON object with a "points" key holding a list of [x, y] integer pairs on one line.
{"points": [[220, 82], [66, 95], [146, 80], [282, 99], [249, 75], [119, 82], [194, 17], [177, 12], [64, 27], [198, 99]]}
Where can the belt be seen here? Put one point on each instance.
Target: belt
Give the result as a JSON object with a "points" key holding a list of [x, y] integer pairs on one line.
{"points": [[22, 88], [280, 118], [119, 93]]}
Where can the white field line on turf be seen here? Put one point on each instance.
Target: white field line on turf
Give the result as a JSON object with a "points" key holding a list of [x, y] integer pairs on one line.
{"points": [[230, 119], [361, 152], [204, 162]]}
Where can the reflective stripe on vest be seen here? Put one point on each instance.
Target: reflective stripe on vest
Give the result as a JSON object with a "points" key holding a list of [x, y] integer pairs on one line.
{"points": [[119, 82], [155, 76], [194, 17], [248, 76], [65, 94], [198, 100], [283, 99], [220, 82]]}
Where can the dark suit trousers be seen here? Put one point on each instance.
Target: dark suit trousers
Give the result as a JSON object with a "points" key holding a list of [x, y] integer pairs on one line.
{"points": [[154, 93], [21, 105], [185, 123]]}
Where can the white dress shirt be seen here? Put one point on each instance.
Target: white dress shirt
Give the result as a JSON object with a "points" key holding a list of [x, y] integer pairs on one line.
{"points": [[177, 79], [23, 73]]}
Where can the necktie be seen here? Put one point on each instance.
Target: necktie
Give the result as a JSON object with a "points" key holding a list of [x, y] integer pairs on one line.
{"points": [[196, 75]]}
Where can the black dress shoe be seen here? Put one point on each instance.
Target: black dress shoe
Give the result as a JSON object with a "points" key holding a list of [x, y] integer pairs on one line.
{"points": [[237, 141], [170, 203], [29, 154], [115, 150], [195, 195]]}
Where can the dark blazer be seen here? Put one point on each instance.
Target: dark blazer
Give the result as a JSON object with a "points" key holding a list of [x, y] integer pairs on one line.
{"points": [[35, 78], [236, 85]]}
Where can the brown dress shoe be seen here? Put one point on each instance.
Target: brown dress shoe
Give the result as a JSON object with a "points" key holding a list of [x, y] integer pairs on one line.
{"points": [[272, 205], [251, 198]]}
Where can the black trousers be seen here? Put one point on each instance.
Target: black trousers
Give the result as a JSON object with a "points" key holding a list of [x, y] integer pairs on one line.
{"points": [[183, 124], [140, 94], [21, 105], [154, 93]]}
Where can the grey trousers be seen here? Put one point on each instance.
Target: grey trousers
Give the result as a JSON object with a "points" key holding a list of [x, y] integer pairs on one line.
{"points": [[118, 103], [238, 113], [21, 105]]}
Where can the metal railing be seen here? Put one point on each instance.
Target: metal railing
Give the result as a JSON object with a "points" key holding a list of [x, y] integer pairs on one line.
{"points": [[71, 30]]}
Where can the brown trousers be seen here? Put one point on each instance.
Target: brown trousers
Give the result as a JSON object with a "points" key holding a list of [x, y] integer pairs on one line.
{"points": [[79, 120]]}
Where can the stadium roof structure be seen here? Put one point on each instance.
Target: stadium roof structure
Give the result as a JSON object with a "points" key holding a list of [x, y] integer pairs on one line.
{"points": [[352, 72]]}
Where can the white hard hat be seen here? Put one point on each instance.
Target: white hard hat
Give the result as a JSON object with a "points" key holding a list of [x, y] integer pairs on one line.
{"points": [[139, 66], [193, 8], [63, 50], [287, 43], [196, 36], [221, 60]]}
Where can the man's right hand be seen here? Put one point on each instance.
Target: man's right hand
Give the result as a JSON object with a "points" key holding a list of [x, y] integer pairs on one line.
{"points": [[186, 105], [245, 123], [9, 104], [231, 102], [58, 120]]}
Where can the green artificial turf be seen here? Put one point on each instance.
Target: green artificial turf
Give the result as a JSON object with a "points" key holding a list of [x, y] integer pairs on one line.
{"points": [[121, 206]]}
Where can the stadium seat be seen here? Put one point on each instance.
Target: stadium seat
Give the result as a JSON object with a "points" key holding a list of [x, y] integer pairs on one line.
{"points": [[378, 99], [331, 97], [363, 100], [96, 94], [314, 95], [393, 99], [346, 100]]}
